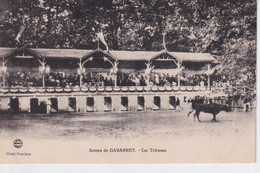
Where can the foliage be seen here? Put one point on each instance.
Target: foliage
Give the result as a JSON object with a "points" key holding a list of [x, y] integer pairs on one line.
{"points": [[226, 28]]}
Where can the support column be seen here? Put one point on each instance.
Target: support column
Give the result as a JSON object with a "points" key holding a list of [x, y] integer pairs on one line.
{"points": [[43, 70], [114, 68], [209, 82], [43, 80], [3, 70], [81, 69], [208, 77], [148, 80], [179, 67], [148, 71], [115, 79], [80, 73], [4, 79]]}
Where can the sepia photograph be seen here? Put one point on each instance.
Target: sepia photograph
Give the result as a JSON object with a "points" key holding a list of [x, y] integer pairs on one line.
{"points": [[127, 81]]}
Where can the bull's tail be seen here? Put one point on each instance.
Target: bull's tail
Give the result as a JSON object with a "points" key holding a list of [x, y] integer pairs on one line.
{"points": [[190, 112]]}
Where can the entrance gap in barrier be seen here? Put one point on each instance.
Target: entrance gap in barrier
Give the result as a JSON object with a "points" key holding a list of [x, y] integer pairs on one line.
{"points": [[124, 104], [34, 105], [140, 103], [107, 104], [54, 105], [223, 100], [42, 109], [172, 103], [14, 105], [218, 100], [72, 104], [156, 103], [90, 104]]}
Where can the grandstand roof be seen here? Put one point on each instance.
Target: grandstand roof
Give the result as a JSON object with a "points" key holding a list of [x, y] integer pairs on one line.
{"points": [[193, 57], [116, 54], [133, 55], [62, 53], [5, 51]]}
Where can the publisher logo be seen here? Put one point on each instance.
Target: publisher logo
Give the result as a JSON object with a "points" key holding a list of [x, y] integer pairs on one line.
{"points": [[18, 143]]}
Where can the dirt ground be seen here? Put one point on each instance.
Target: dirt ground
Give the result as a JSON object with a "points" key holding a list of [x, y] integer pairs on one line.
{"points": [[68, 137]]}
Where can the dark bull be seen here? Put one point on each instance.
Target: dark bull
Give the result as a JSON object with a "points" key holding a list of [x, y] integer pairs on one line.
{"points": [[212, 108]]}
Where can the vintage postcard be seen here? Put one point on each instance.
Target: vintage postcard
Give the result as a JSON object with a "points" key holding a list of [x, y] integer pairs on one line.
{"points": [[127, 81]]}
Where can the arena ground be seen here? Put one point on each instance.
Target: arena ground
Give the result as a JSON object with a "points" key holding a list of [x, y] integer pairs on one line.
{"points": [[231, 139]]}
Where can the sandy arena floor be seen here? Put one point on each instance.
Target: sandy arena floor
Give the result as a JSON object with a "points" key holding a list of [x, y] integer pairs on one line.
{"points": [[68, 137]]}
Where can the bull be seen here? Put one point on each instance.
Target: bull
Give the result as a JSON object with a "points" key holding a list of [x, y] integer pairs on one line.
{"points": [[212, 108]]}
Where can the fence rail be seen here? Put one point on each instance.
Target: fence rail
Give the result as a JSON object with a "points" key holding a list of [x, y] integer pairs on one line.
{"points": [[233, 89], [103, 89]]}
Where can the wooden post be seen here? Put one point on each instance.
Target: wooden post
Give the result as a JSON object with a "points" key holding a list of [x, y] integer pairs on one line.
{"points": [[179, 80], [80, 73], [148, 71], [115, 78], [3, 79], [98, 46], [43, 80], [115, 69], [43, 73], [43, 70], [209, 82], [81, 66], [80, 80], [208, 78], [3, 70]]}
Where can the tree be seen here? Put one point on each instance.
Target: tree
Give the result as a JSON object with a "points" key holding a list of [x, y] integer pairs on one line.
{"points": [[226, 29]]}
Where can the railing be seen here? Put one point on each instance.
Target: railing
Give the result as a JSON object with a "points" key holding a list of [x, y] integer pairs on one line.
{"points": [[27, 90], [237, 105], [233, 89]]}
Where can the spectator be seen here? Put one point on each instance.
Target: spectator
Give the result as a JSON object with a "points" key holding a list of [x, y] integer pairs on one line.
{"points": [[246, 102], [178, 104]]}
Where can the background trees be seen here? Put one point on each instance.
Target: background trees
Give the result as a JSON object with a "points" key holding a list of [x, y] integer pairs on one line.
{"points": [[226, 29]]}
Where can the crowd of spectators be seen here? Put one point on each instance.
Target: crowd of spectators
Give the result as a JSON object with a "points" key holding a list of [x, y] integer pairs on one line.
{"points": [[62, 79], [224, 81], [155, 79], [163, 80], [88, 79], [132, 79], [194, 80], [95, 79], [22, 79], [57, 79], [221, 81]]}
